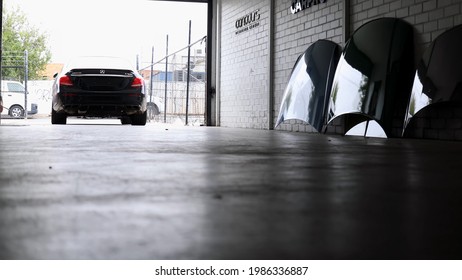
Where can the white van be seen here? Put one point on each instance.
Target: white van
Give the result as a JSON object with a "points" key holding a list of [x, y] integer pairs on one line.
{"points": [[13, 100]]}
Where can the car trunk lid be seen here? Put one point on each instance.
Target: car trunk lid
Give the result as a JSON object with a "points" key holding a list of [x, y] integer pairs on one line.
{"points": [[101, 79]]}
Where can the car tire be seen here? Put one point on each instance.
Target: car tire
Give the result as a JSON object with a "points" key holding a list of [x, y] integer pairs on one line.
{"points": [[139, 119], [58, 118], [125, 120], [16, 111]]}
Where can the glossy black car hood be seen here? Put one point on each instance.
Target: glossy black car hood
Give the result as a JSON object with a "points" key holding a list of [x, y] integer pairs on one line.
{"points": [[307, 92], [439, 74], [374, 75]]}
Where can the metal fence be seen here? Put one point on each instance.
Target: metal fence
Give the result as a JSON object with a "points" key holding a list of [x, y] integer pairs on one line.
{"points": [[178, 90], [14, 66], [176, 107]]}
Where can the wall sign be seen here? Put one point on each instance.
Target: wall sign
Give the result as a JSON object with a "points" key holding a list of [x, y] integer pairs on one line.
{"points": [[300, 5], [248, 22]]}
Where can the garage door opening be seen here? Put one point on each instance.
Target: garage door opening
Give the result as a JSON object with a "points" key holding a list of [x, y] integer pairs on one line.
{"points": [[134, 30]]}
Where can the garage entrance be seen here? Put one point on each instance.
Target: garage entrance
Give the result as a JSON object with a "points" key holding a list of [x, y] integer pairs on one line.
{"points": [[145, 32], [210, 85]]}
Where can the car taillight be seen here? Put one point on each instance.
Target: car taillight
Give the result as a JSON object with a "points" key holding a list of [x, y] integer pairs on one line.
{"points": [[65, 81], [137, 82]]}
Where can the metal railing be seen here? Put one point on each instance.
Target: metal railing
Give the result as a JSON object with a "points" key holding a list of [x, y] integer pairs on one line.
{"points": [[16, 66], [180, 93]]}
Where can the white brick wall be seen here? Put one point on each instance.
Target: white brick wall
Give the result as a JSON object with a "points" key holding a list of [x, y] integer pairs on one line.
{"points": [[244, 67], [430, 18], [244, 60]]}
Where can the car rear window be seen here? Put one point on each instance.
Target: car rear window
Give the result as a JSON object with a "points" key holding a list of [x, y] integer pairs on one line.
{"points": [[96, 62]]}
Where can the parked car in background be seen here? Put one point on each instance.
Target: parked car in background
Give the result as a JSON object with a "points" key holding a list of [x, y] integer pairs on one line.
{"points": [[101, 87], [14, 99]]}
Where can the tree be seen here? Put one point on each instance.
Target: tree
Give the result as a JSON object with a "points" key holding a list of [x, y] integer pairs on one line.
{"points": [[19, 36]]}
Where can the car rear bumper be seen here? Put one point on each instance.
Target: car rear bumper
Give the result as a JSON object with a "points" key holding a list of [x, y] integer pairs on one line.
{"points": [[101, 104]]}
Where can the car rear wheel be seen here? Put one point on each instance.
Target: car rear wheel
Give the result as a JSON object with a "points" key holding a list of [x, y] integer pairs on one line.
{"points": [[58, 118], [16, 111], [126, 120], [139, 119]]}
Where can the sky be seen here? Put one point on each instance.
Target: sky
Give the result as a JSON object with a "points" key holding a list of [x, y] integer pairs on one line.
{"points": [[124, 28]]}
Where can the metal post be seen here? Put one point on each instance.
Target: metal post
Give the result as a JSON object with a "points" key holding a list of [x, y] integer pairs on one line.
{"points": [[1, 46], [150, 107], [1, 58], [217, 56], [166, 79], [270, 81], [210, 88], [137, 62], [150, 76], [188, 73], [26, 77]]}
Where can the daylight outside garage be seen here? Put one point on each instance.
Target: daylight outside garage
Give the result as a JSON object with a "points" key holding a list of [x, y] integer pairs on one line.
{"points": [[173, 97]]}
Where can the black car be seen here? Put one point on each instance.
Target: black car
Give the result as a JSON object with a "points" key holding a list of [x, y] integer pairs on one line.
{"points": [[100, 87]]}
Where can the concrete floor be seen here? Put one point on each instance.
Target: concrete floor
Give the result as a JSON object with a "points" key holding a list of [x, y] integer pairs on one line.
{"points": [[97, 190]]}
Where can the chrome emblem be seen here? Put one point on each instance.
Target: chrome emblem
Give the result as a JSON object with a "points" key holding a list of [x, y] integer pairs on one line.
{"points": [[102, 71]]}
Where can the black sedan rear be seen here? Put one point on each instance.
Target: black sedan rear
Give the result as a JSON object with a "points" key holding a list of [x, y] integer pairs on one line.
{"points": [[100, 87]]}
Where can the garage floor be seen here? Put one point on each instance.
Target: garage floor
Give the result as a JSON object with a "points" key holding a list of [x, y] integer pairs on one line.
{"points": [[98, 190]]}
